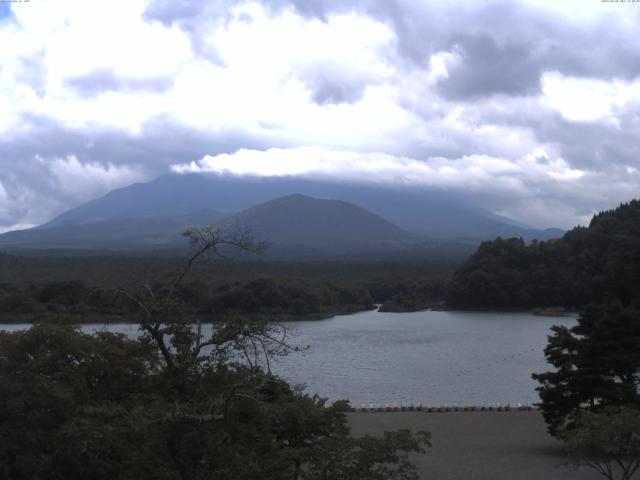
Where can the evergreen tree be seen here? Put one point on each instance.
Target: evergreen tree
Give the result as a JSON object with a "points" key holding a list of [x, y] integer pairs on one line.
{"points": [[597, 364], [585, 266]]}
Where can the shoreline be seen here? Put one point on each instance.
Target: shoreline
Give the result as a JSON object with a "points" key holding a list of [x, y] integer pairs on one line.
{"points": [[394, 407], [109, 319]]}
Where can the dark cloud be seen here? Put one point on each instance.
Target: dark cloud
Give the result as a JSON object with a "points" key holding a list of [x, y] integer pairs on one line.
{"points": [[327, 92], [35, 161], [595, 146], [105, 80], [160, 143], [603, 51], [515, 41], [504, 46], [590, 145], [485, 68], [414, 24], [194, 17], [331, 86]]}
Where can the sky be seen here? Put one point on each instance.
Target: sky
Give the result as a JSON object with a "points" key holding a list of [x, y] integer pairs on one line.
{"points": [[528, 108]]}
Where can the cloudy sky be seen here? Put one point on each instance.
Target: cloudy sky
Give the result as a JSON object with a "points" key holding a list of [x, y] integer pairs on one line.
{"points": [[529, 108]]}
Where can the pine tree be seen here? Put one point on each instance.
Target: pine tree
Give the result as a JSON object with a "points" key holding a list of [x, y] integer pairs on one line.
{"points": [[597, 364]]}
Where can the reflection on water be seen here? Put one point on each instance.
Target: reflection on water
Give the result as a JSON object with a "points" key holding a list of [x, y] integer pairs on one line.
{"points": [[432, 357]]}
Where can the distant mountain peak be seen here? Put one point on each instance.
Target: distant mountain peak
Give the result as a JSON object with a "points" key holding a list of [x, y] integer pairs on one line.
{"points": [[347, 211], [303, 220]]}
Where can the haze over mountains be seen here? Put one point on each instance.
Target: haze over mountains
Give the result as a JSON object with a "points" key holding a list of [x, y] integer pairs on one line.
{"points": [[313, 221], [298, 217]]}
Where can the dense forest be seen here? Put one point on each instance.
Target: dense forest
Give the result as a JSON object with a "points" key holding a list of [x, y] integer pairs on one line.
{"points": [[175, 403], [276, 298], [36, 288], [587, 265]]}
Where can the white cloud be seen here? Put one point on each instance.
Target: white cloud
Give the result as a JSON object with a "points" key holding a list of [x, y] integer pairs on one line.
{"points": [[17, 226], [339, 95], [477, 172], [62, 182], [70, 38], [539, 187], [588, 100], [85, 180], [257, 82], [263, 83]]}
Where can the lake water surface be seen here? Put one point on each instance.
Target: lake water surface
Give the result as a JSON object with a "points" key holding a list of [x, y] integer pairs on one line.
{"points": [[433, 357], [455, 358]]}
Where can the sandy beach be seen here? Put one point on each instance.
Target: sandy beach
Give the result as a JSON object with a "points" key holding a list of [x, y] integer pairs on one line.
{"points": [[478, 445]]}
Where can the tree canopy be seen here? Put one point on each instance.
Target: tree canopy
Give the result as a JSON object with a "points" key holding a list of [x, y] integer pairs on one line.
{"points": [[607, 441], [597, 364], [585, 266], [175, 403]]}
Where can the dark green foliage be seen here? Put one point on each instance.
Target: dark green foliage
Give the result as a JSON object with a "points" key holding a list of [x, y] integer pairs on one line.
{"points": [[584, 266], [607, 441], [597, 364], [77, 406], [175, 403], [57, 382], [277, 297], [410, 297], [35, 288]]}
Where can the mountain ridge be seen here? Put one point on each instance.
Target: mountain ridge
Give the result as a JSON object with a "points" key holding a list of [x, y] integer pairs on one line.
{"points": [[431, 213]]}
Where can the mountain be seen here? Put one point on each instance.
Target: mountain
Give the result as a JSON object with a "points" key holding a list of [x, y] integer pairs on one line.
{"points": [[431, 213], [325, 225], [295, 226], [119, 233], [301, 218], [586, 265]]}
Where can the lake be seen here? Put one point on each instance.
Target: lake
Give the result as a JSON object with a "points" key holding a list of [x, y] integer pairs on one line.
{"points": [[457, 358]]}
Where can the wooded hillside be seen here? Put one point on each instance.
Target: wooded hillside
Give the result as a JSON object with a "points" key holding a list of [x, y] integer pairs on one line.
{"points": [[586, 265]]}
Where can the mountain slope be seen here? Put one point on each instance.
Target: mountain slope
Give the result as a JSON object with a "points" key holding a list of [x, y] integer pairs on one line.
{"points": [[327, 224], [586, 265], [294, 225], [121, 233], [430, 213]]}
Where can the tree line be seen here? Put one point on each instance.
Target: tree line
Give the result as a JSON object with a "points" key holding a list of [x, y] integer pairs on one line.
{"points": [[176, 404], [587, 265], [52, 287], [277, 298]]}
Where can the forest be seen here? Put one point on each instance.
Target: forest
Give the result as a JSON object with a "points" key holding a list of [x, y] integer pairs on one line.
{"points": [[175, 403], [587, 265], [37, 288]]}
